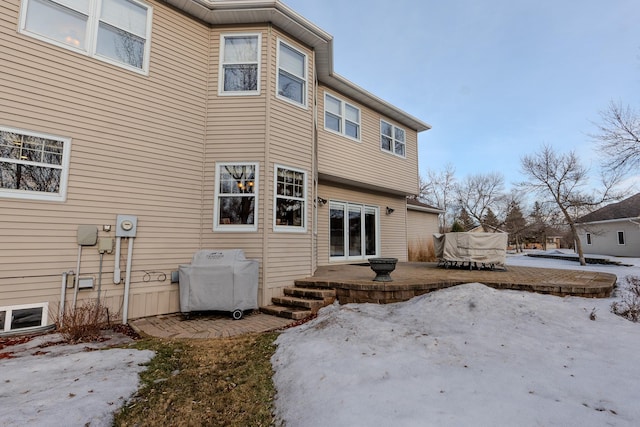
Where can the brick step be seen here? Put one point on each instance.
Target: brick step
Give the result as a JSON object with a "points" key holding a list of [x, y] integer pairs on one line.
{"points": [[305, 303], [327, 295], [286, 312]]}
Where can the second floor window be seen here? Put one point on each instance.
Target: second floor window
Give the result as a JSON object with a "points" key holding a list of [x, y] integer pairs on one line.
{"points": [[392, 138], [292, 74], [341, 117], [240, 64], [115, 31]]}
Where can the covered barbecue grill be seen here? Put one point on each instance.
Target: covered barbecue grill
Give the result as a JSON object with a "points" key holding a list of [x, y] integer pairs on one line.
{"points": [[219, 280]]}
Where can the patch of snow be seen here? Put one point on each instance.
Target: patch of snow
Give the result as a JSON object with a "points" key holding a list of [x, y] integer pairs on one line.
{"points": [[466, 355]]}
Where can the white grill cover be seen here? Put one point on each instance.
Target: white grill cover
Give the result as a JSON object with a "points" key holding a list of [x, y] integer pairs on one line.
{"points": [[488, 248], [221, 280]]}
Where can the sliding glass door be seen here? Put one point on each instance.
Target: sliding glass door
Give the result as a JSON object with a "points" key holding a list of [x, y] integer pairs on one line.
{"points": [[353, 231]]}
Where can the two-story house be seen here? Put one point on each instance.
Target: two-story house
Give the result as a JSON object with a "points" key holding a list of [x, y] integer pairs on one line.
{"points": [[203, 124]]}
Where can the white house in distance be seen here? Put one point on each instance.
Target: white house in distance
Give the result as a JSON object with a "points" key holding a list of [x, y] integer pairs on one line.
{"points": [[612, 230]]}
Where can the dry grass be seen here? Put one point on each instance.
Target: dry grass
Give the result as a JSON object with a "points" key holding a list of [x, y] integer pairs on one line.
{"points": [[222, 382], [629, 306], [422, 251], [83, 323]]}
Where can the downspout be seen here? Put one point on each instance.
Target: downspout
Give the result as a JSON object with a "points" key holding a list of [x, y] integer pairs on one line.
{"points": [[267, 214], [314, 166]]}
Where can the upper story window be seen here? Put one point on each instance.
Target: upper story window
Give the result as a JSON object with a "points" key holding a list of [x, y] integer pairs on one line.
{"points": [[392, 138], [33, 165], [341, 117], [292, 74], [115, 31], [236, 191], [240, 64], [290, 199]]}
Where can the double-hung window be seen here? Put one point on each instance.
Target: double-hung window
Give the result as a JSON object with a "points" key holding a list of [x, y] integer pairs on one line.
{"points": [[115, 31], [290, 199], [236, 191], [392, 139], [240, 64], [33, 165], [341, 117], [292, 74]]}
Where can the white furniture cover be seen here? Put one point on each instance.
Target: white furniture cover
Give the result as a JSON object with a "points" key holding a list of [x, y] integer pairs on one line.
{"points": [[486, 248]]}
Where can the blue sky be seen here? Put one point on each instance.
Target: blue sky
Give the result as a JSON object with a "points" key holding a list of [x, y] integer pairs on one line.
{"points": [[495, 78]]}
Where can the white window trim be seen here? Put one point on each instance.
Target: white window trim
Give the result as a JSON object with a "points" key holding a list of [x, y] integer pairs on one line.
{"points": [[290, 228], [235, 228], [393, 140], [346, 256], [305, 104], [343, 117], [10, 308], [221, 90], [92, 35], [61, 196], [624, 238]]}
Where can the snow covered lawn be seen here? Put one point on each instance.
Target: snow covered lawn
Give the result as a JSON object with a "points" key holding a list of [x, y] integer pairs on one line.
{"points": [[464, 356]]}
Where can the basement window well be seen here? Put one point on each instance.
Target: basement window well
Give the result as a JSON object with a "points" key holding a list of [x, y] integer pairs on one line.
{"points": [[20, 317]]}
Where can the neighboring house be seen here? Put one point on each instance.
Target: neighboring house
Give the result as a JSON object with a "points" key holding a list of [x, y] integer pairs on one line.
{"points": [[612, 230], [422, 223], [210, 124]]}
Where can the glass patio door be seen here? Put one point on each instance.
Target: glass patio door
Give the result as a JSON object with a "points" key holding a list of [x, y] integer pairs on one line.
{"points": [[353, 231]]}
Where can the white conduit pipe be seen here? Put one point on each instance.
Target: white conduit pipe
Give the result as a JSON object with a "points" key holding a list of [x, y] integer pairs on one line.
{"points": [[77, 281], [63, 297], [116, 268], [127, 282]]}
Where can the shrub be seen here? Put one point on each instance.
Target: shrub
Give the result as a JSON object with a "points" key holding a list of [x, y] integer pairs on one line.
{"points": [[629, 306], [83, 323], [422, 251]]}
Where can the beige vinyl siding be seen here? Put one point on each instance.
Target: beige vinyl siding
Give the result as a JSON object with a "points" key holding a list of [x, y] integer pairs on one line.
{"points": [[136, 149], [289, 254], [420, 227], [392, 228], [236, 127], [364, 161], [259, 128]]}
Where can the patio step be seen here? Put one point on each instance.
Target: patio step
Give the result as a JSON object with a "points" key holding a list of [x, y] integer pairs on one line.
{"points": [[286, 312], [298, 303]]}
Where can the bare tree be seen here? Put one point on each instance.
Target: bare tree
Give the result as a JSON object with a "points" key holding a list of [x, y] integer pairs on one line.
{"points": [[478, 193], [437, 190], [618, 138], [561, 179]]}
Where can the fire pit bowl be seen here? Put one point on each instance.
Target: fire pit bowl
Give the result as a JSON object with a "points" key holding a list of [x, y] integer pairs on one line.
{"points": [[383, 268]]}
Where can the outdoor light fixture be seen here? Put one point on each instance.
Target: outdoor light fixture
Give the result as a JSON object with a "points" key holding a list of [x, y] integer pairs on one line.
{"points": [[322, 201], [390, 210]]}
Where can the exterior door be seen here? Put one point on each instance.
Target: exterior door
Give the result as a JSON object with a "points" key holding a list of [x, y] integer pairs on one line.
{"points": [[353, 231]]}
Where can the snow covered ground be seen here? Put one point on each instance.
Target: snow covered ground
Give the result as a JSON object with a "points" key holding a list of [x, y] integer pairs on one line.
{"points": [[67, 385], [464, 356]]}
